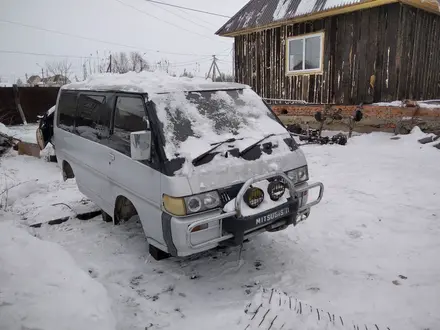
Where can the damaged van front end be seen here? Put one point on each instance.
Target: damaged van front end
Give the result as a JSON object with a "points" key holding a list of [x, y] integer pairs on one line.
{"points": [[224, 192], [268, 202]]}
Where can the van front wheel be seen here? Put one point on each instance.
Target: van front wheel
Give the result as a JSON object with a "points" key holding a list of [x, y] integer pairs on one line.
{"points": [[124, 210], [106, 217], [158, 254]]}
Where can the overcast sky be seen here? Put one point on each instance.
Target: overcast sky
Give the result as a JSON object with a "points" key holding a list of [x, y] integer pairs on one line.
{"points": [[111, 20]]}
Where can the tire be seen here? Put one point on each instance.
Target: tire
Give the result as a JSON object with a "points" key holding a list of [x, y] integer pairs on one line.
{"points": [[106, 217], [124, 210], [157, 254]]}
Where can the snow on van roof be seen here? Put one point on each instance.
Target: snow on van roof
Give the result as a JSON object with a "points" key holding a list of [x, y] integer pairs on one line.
{"points": [[149, 82]]}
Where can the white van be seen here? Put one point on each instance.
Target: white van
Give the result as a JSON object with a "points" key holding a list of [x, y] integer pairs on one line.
{"points": [[200, 163]]}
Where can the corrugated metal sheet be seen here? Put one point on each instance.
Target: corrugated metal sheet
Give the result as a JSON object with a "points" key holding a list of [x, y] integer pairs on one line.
{"points": [[259, 13]]}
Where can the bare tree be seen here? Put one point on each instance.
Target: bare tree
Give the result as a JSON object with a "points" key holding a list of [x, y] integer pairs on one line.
{"points": [[19, 82], [138, 63], [187, 74], [61, 68], [225, 77], [123, 62], [120, 63], [163, 65]]}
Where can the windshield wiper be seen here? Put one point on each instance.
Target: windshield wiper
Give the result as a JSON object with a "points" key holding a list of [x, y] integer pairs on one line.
{"points": [[216, 145], [254, 144]]}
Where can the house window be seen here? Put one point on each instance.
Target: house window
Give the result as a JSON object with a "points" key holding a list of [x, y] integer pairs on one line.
{"points": [[305, 53]]}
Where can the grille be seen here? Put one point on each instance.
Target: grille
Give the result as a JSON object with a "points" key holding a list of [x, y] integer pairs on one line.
{"points": [[229, 193]]}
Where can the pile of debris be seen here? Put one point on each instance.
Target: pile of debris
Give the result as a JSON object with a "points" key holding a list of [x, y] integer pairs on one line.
{"points": [[24, 148], [313, 136], [6, 143], [327, 116], [431, 139]]}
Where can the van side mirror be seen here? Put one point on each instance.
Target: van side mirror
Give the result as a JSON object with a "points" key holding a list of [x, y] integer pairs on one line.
{"points": [[140, 145]]}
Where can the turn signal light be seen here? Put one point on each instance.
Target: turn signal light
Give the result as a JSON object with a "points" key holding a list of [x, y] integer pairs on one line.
{"points": [[199, 228]]}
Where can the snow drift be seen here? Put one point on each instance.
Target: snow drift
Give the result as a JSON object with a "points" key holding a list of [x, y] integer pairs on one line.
{"points": [[272, 310], [43, 288]]}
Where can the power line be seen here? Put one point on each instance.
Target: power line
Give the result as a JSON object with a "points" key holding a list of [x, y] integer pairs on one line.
{"points": [[200, 19], [190, 63], [44, 54], [182, 17], [98, 40], [203, 59], [172, 24], [187, 8]]}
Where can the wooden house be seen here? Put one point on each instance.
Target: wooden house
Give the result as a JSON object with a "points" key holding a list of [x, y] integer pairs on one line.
{"points": [[338, 51]]}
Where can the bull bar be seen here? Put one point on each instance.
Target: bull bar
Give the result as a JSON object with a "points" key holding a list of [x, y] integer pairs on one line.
{"points": [[238, 202]]}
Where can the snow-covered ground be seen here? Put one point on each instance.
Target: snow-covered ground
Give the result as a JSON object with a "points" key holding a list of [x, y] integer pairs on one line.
{"points": [[42, 287], [430, 104], [369, 252]]}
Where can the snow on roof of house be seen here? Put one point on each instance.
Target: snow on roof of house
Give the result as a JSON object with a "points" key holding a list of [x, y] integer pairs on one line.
{"points": [[259, 13], [262, 13], [149, 82]]}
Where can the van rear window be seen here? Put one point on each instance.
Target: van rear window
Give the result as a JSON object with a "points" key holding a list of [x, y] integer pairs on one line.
{"points": [[67, 110]]}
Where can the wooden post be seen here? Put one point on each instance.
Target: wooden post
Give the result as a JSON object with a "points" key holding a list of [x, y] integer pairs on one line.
{"points": [[17, 103]]}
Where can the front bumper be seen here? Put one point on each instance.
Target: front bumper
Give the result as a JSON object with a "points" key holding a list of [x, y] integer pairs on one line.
{"points": [[235, 227]]}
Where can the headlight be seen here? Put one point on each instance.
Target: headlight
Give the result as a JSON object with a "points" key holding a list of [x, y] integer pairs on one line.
{"points": [[299, 175], [182, 206]]}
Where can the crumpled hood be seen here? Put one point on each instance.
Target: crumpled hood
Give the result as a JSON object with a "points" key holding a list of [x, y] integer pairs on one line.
{"points": [[223, 172]]}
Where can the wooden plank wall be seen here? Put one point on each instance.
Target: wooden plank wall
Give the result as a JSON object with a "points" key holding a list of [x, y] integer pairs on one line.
{"points": [[419, 77], [380, 54]]}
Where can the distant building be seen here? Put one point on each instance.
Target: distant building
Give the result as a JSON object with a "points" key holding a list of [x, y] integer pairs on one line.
{"points": [[53, 81], [56, 80], [34, 80]]}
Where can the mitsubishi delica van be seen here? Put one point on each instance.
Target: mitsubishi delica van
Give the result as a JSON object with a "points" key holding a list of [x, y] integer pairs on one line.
{"points": [[201, 164]]}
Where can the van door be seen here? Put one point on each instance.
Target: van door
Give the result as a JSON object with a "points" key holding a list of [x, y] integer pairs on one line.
{"points": [[92, 123], [138, 181]]}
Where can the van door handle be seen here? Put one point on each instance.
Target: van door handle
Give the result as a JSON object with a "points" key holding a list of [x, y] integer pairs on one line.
{"points": [[112, 156]]}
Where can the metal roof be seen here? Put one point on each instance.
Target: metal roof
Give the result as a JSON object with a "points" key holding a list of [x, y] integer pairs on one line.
{"points": [[259, 13]]}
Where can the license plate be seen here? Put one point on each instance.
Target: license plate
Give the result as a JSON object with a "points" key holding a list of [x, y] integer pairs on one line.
{"points": [[272, 216]]}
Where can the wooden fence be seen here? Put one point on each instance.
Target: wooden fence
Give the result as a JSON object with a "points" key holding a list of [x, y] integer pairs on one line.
{"points": [[34, 101]]}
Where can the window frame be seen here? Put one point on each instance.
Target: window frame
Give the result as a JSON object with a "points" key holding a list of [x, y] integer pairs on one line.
{"points": [[115, 102], [58, 112], [155, 160], [303, 37], [105, 103]]}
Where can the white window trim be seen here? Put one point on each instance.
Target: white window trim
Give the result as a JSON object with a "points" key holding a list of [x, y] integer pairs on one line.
{"points": [[321, 54]]}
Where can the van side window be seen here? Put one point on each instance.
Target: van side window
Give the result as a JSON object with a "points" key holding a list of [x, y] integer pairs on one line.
{"points": [[93, 117], [67, 110], [129, 117]]}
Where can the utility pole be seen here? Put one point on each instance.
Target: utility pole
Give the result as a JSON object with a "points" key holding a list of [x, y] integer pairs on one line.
{"points": [[84, 71], [90, 65], [109, 68], [213, 69], [233, 61]]}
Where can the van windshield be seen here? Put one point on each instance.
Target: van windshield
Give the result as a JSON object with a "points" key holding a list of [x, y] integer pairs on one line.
{"points": [[192, 121]]}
